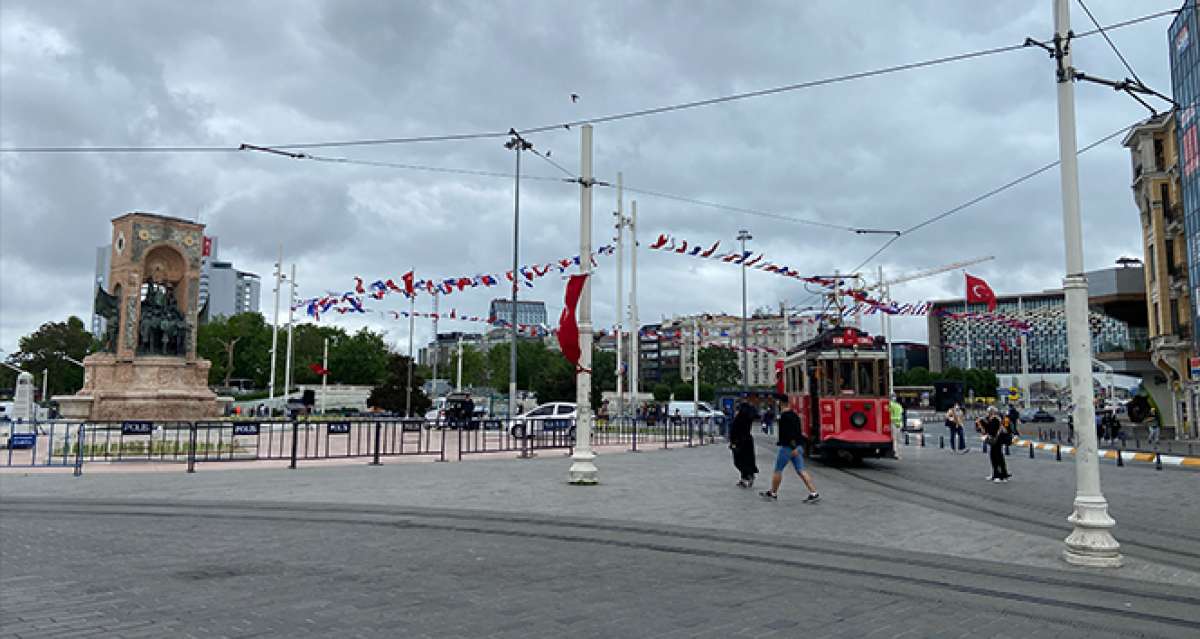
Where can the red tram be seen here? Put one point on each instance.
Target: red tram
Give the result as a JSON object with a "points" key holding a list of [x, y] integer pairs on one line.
{"points": [[837, 383]]}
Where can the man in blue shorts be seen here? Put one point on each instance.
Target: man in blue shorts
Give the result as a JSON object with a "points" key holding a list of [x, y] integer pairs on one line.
{"points": [[790, 451]]}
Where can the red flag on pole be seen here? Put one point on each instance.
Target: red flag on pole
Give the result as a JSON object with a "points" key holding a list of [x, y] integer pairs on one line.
{"points": [[978, 292], [318, 369], [568, 330]]}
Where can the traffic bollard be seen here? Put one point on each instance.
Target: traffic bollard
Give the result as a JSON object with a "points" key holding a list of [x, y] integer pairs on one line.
{"points": [[295, 436], [1120, 458], [1031, 450], [922, 440], [1057, 452], [378, 425], [941, 441], [906, 438], [1157, 461]]}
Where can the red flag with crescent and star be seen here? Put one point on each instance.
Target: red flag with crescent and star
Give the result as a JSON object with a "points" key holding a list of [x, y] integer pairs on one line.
{"points": [[568, 330], [978, 292]]}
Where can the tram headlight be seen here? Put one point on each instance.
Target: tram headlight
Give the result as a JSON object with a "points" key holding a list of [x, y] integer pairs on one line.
{"points": [[858, 419]]}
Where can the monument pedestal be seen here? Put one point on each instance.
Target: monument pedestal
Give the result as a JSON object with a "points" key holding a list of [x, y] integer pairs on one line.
{"points": [[150, 388]]}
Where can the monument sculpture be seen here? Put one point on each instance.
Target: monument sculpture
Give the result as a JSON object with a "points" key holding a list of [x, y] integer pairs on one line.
{"points": [[147, 368]]}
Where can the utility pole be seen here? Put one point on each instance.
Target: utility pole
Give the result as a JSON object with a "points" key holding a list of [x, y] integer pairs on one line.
{"points": [[412, 307], [458, 381], [744, 235], [619, 213], [287, 374], [275, 322], [1091, 542], [1026, 399], [583, 470], [885, 326], [695, 367], [517, 144], [635, 331], [324, 375], [967, 319], [45, 384], [437, 347]]}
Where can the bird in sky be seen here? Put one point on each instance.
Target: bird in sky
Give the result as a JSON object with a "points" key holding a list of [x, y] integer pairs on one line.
{"points": [[574, 97]]}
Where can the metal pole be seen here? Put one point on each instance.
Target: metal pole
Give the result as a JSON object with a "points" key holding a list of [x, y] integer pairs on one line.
{"points": [[967, 319], [635, 333], [1091, 542], [458, 381], [412, 307], [275, 322], [45, 384], [1024, 358], [744, 235], [695, 367], [512, 316], [885, 326], [583, 470], [325, 375], [437, 346], [620, 294], [287, 374]]}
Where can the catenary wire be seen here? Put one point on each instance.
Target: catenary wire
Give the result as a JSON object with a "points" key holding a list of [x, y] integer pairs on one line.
{"points": [[607, 118], [1107, 39], [738, 209]]}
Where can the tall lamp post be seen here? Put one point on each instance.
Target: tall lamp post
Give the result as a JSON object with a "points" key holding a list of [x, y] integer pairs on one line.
{"points": [[744, 235], [1091, 542], [517, 144], [583, 470]]}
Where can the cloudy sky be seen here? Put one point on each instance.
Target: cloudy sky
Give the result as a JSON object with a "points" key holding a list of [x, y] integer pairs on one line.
{"points": [[883, 152]]}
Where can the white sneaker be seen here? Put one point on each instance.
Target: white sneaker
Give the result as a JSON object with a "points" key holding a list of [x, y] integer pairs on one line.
{"points": [[997, 481]]}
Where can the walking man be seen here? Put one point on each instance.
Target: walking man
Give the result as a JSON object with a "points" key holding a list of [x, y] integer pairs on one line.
{"points": [[741, 442], [996, 436], [896, 413], [1014, 418], [1155, 426], [790, 451]]}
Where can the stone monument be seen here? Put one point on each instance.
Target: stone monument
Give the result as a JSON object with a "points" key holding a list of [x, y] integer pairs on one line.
{"points": [[148, 367]]}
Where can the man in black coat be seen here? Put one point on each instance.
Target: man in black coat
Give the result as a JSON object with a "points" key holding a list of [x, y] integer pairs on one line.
{"points": [[741, 442]]}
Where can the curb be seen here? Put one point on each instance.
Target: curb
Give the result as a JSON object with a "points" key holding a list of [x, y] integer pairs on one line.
{"points": [[1126, 456]]}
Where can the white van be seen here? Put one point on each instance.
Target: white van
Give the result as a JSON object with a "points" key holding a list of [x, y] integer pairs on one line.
{"points": [[692, 409]]}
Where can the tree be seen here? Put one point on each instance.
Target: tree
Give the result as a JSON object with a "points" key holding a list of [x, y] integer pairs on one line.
{"points": [[392, 394], [662, 392], [251, 356], [719, 367], [604, 374], [43, 350], [474, 367]]}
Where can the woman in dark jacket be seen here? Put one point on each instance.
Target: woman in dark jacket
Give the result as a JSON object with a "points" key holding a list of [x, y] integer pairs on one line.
{"points": [[741, 442]]}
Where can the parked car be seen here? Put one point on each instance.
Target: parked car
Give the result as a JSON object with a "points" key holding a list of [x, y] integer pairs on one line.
{"points": [[456, 410], [1040, 415], [694, 409], [914, 425], [554, 416]]}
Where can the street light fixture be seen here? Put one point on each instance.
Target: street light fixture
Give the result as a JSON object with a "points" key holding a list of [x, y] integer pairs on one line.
{"points": [[515, 143]]}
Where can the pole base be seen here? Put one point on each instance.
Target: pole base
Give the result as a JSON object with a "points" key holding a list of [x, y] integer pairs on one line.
{"points": [[583, 472], [1091, 544]]}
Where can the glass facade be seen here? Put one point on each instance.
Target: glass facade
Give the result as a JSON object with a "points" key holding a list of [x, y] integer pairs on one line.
{"points": [[1185, 85], [996, 346]]}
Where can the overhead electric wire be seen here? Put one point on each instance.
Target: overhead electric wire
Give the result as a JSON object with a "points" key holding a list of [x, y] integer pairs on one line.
{"points": [[600, 119], [546, 157], [1111, 44], [394, 165], [739, 209]]}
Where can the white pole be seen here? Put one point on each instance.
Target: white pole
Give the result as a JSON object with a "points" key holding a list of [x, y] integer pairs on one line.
{"points": [[620, 294], [695, 367], [458, 381], [635, 333], [412, 308], [275, 322], [583, 470], [967, 319], [287, 374], [45, 384], [437, 347], [325, 375], [885, 326], [1091, 542], [1024, 357]]}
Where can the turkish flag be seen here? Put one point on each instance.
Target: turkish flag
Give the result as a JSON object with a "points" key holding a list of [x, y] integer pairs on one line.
{"points": [[206, 251], [568, 330], [978, 292], [318, 369]]}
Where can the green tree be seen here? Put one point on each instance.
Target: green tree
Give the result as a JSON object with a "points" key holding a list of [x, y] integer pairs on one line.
{"points": [[662, 392], [474, 367], [719, 367], [604, 374], [43, 350], [251, 341], [392, 394]]}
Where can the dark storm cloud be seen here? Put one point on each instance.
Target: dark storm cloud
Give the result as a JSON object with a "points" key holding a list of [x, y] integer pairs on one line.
{"points": [[885, 152]]}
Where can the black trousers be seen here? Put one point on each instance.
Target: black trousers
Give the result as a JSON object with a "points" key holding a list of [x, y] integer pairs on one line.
{"points": [[996, 456]]}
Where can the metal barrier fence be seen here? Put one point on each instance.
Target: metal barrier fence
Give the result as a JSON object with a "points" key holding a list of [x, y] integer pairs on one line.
{"points": [[67, 444]]}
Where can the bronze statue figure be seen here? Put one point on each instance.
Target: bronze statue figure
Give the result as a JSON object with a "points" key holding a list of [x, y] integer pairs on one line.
{"points": [[109, 307], [163, 330]]}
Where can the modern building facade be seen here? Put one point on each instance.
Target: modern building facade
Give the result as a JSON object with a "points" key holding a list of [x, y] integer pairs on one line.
{"points": [[231, 291], [100, 281], [1158, 193], [909, 355], [529, 312], [1185, 85], [666, 347]]}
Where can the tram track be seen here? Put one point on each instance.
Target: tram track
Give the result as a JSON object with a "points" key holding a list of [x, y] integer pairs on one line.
{"points": [[1014, 519], [1037, 593]]}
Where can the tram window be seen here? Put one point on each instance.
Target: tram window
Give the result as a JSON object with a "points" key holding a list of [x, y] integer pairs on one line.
{"points": [[866, 372], [845, 381]]}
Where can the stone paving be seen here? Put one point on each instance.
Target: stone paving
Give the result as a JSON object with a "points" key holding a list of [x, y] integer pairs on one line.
{"points": [[665, 546]]}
